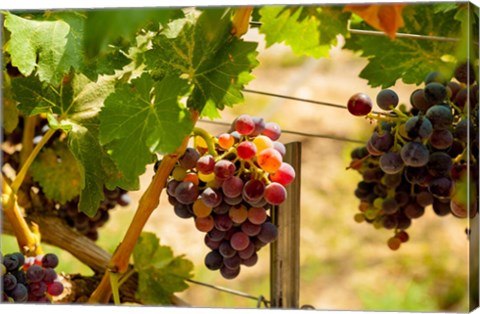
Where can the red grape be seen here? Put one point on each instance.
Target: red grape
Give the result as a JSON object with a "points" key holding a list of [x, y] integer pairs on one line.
{"points": [[359, 104]]}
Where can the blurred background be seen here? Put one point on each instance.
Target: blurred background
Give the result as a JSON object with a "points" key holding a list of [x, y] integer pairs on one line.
{"points": [[344, 265]]}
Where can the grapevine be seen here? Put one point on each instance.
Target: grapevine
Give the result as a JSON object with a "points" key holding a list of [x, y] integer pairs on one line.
{"points": [[227, 184], [419, 157], [92, 99]]}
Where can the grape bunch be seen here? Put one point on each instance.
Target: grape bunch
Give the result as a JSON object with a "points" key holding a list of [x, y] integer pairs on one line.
{"points": [[418, 157], [228, 184], [31, 279], [89, 226]]}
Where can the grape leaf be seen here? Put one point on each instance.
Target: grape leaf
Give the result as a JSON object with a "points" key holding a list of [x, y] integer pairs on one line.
{"points": [[57, 172], [34, 97], [309, 30], [160, 272], [45, 46], [106, 26], [10, 114], [143, 118], [408, 59], [387, 18], [203, 51], [96, 167]]}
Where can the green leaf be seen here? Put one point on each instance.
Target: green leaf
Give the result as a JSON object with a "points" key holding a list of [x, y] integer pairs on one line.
{"points": [[405, 58], [161, 274], [309, 30], [203, 52], [81, 115], [10, 115], [34, 97], [48, 47], [106, 26], [57, 172], [143, 118]]}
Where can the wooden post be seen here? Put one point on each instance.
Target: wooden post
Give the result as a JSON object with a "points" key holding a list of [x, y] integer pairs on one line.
{"points": [[285, 251]]}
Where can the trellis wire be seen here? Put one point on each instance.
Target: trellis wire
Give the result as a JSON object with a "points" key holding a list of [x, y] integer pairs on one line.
{"points": [[260, 299], [315, 102], [398, 35], [326, 136]]}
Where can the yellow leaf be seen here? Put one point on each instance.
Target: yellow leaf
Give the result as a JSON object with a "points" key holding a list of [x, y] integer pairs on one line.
{"points": [[385, 17], [241, 20]]}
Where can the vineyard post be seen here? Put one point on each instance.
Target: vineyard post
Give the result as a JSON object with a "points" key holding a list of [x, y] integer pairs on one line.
{"points": [[285, 252], [474, 259]]}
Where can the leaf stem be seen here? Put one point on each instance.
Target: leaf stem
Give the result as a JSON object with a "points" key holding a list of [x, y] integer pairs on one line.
{"points": [[28, 241], [147, 204], [207, 137], [23, 171], [114, 283]]}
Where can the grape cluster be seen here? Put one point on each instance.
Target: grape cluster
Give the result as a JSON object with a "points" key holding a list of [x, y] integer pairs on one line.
{"points": [[89, 226], [31, 279], [228, 184], [84, 224], [418, 157]]}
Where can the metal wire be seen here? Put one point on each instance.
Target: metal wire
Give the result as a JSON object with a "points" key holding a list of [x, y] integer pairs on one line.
{"points": [[260, 299], [398, 35], [403, 35], [326, 136], [311, 101]]}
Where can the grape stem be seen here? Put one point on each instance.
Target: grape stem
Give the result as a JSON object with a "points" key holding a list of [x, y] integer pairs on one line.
{"points": [[23, 171], [28, 240], [147, 204], [208, 138]]}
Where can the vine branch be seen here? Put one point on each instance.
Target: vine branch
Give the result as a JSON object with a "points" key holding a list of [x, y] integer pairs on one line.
{"points": [[28, 240], [147, 204]]}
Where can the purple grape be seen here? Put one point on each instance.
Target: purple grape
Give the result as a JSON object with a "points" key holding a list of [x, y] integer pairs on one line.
{"points": [[391, 163], [259, 126], [232, 187], [441, 187], [224, 169], [251, 261], [55, 288], [216, 235], [9, 282], [381, 142], [418, 127], [186, 192], [439, 164], [414, 154], [35, 273], [248, 252], [213, 260], [269, 233], [211, 198], [50, 260], [387, 99], [50, 275], [189, 159], [229, 273], [183, 211], [441, 139], [435, 93], [440, 116], [226, 250], [223, 222], [253, 190], [11, 262], [38, 289], [20, 293], [233, 262]]}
